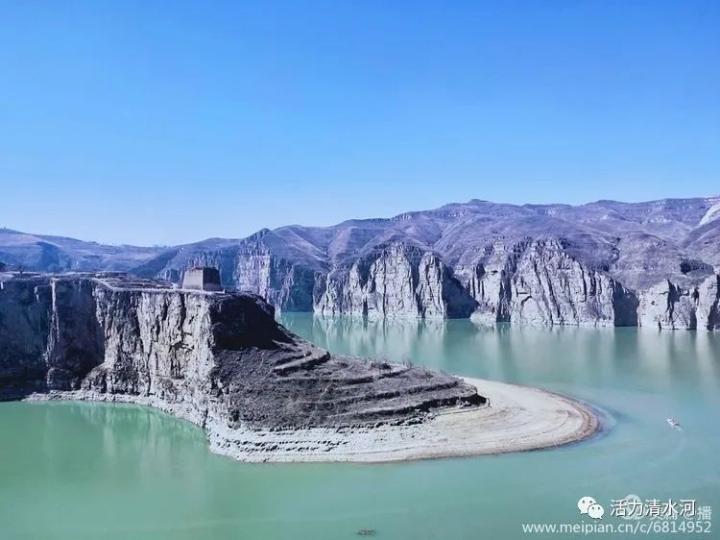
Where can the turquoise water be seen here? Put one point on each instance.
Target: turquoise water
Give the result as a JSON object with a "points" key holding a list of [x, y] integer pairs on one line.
{"points": [[76, 471]]}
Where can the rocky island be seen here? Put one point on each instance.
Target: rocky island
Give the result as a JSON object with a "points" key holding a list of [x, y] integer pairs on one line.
{"points": [[220, 360]]}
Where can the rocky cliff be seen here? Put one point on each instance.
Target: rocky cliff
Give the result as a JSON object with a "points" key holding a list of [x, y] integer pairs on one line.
{"points": [[600, 264], [285, 276], [682, 305], [538, 282], [218, 359], [395, 280]]}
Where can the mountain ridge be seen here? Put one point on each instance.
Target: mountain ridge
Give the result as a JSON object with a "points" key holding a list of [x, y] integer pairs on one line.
{"points": [[438, 262]]}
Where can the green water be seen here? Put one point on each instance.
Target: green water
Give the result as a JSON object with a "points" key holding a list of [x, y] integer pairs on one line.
{"points": [[77, 471]]}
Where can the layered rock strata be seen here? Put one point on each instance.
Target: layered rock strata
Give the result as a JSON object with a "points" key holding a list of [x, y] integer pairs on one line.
{"points": [[208, 356], [607, 263], [395, 280], [531, 282]]}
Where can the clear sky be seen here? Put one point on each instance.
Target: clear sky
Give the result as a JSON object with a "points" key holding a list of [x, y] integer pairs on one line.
{"points": [[165, 122]]}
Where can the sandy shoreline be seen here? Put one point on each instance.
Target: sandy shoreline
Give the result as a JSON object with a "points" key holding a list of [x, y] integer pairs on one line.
{"points": [[518, 418]]}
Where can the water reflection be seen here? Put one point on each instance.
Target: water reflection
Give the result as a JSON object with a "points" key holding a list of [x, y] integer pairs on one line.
{"points": [[76, 471], [110, 432], [557, 356]]}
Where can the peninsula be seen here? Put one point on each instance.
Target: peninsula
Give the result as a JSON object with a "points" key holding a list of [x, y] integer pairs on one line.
{"points": [[220, 360]]}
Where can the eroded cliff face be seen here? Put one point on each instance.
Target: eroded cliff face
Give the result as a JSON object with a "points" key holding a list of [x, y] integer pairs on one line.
{"points": [[396, 280], [676, 306], [49, 337], [531, 282], [208, 357], [539, 283], [25, 315], [77, 332], [286, 280], [708, 304], [652, 263], [286, 285]]}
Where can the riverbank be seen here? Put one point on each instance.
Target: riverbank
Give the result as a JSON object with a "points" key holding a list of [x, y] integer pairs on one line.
{"points": [[516, 418]]}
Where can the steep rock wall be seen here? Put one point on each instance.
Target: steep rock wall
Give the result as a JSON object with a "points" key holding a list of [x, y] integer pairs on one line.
{"points": [[708, 304], [217, 356], [48, 332], [675, 306], [533, 282], [489, 281], [397, 280], [538, 283], [287, 286], [25, 315], [551, 287], [522, 281], [251, 267]]}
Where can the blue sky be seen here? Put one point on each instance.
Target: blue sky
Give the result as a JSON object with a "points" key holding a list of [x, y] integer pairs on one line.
{"points": [[165, 122]]}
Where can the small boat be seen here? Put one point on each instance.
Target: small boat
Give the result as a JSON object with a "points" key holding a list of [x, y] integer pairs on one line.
{"points": [[673, 423]]}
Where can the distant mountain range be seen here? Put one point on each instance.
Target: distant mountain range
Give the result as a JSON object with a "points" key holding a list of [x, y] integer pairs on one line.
{"points": [[604, 263]]}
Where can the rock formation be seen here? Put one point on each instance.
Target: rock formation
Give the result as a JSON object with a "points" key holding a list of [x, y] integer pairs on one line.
{"points": [[601, 264], [395, 280], [674, 306], [538, 282], [652, 264], [708, 304], [218, 359]]}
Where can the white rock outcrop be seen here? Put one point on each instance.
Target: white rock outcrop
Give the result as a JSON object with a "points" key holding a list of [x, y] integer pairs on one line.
{"points": [[538, 283], [671, 306], [396, 280]]}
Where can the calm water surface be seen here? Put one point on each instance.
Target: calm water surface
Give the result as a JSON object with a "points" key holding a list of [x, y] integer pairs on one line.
{"points": [[77, 471]]}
